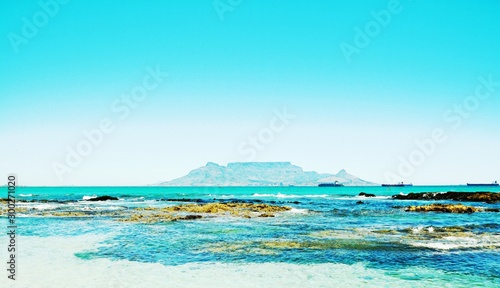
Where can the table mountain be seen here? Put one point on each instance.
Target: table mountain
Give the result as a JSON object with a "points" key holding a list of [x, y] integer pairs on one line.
{"points": [[261, 174]]}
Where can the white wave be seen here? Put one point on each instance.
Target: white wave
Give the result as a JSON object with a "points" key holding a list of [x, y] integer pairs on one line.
{"points": [[298, 211], [25, 195], [417, 230], [89, 197], [45, 206], [454, 242]]}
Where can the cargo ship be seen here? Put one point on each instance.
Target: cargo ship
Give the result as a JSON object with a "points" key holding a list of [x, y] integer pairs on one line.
{"points": [[400, 184], [483, 184], [335, 184]]}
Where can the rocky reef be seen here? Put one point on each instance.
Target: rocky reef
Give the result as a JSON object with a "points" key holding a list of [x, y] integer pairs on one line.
{"points": [[233, 208], [175, 213], [158, 217], [187, 211], [488, 197], [448, 208]]}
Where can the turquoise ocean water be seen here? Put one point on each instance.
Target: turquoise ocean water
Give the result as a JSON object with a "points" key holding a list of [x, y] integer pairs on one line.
{"points": [[326, 225]]}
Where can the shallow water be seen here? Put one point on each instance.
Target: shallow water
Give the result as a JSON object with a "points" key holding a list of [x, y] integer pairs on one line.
{"points": [[325, 233]]}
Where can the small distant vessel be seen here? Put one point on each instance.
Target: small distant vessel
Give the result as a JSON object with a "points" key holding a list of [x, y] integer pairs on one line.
{"points": [[334, 184], [483, 184], [400, 184]]}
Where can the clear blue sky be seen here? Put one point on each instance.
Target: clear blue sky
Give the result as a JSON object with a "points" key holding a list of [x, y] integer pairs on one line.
{"points": [[228, 70]]}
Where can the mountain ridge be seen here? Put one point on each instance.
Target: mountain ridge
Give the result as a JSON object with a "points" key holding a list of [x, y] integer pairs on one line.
{"points": [[261, 174]]}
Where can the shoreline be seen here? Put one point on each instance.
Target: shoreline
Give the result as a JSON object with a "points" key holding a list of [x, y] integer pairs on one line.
{"points": [[62, 269]]}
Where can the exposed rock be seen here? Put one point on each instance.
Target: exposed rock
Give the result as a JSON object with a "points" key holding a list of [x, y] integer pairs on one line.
{"points": [[450, 229], [158, 217], [233, 208], [446, 208], [102, 198], [191, 217], [488, 197], [360, 202], [366, 194], [492, 210], [174, 213]]}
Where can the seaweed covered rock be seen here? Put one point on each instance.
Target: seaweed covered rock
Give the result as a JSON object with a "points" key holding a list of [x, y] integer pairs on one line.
{"points": [[190, 217], [445, 208], [178, 212], [488, 197], [158, 217], [232, 208]]}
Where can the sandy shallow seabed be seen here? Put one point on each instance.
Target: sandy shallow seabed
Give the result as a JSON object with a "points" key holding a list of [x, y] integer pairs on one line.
{"points": [[50, 262]]}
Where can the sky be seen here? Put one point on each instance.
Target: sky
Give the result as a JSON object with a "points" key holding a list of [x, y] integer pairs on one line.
{"points": [[139, 92]]}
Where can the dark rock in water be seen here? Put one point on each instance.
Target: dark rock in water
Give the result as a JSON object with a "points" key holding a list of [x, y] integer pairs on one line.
{"points": [[488, 197], [102, 198], [366, 194], [191, 217], [266, 215], [492, 209], [360, 202]]}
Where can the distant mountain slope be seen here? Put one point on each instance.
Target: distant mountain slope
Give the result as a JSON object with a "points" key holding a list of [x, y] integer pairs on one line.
{"points": [[261, 174]]}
